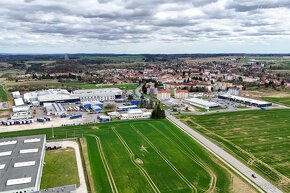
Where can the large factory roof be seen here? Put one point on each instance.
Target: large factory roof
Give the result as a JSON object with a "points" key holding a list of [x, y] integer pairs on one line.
{"points": [[202, 102], [20, 162], [56, 97]]}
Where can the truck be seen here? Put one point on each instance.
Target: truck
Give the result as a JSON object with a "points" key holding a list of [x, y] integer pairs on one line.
{"points": [[75, 116], [40, 119], [48, 118]]}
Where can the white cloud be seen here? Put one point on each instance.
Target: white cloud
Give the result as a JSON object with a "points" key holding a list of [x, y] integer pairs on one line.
{"points": [[91, 24]]}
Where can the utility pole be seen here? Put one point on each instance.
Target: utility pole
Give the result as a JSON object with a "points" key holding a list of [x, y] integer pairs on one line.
{"points": [[52, 132]]}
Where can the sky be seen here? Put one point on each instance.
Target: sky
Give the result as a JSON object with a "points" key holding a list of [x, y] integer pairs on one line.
{"points": [[145, 26]]}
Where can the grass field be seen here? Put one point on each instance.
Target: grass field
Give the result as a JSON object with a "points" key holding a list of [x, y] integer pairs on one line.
{"points": [[11, 72], [60, 169], [259, 138], [135, 58], [73, 85], [146, 156], [282, 100], [120, 86], [3, 94]]}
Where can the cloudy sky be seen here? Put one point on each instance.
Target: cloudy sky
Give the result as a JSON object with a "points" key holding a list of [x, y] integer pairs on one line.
{"points": [[144, 26]]}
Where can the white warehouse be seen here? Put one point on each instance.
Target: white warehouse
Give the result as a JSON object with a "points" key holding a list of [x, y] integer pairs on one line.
{"points": [[21, 163], [103, 94], [54, 109], [135, 114], [201, 103]]}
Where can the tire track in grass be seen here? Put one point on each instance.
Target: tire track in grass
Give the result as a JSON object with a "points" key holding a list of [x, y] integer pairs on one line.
{"points": [[132, 157], [106, 166], [191, 155], [182, 177], [251, 158]]}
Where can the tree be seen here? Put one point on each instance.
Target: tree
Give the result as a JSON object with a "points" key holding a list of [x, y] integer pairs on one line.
{"points": [[130, 97], [158, 113], [282, 83]]}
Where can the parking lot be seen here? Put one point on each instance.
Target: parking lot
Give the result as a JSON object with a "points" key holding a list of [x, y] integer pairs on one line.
{"points": [[231, 105]]}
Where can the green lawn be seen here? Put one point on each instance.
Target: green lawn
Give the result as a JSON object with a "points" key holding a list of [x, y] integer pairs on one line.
{"points": [[120, 86], [3, 94], [36, 85], [60, 169], [283, 100], [170, 160], [259, 138], [242, 107]]}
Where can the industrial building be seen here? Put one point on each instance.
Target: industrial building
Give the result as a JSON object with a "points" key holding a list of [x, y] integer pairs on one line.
{"points": [[103, 94], [54, 109], [16, 94], [135, 114], [18, 102], [23, 108], [20, 115], [201, 103], [37, 98], [246, 101], [21, 163], [103, 118], [126, 108]]}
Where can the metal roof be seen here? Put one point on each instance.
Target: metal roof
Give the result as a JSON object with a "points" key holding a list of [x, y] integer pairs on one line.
{"points": [[21, 170], [244, 99], [202, 102]]}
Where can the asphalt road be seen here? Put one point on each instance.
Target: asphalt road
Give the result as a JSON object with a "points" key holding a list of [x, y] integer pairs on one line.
{"points": [[259, 182], [137, 92]]}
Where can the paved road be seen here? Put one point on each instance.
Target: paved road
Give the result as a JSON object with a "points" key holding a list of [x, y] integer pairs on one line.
{"points": [[137, 92], [83, 186], [259, 182]]}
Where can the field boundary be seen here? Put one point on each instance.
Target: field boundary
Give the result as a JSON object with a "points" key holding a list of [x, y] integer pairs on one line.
{"points": [[225, 162]]}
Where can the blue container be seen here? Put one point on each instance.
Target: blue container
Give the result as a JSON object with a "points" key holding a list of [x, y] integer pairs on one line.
{"points": [[75, 116]]}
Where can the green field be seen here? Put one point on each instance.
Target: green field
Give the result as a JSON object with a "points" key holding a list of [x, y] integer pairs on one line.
{"points": [[10, 72], [35, 85], [60, 169], [135, 58], [282, 100], [146, 156], [259, 138], [120, 86], [3, 94]]}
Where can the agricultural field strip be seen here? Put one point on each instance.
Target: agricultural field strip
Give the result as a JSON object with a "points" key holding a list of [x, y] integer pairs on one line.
{"points": [[190, 155], [132, 157], [243, 151], [106, 166], [185, 180]]}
